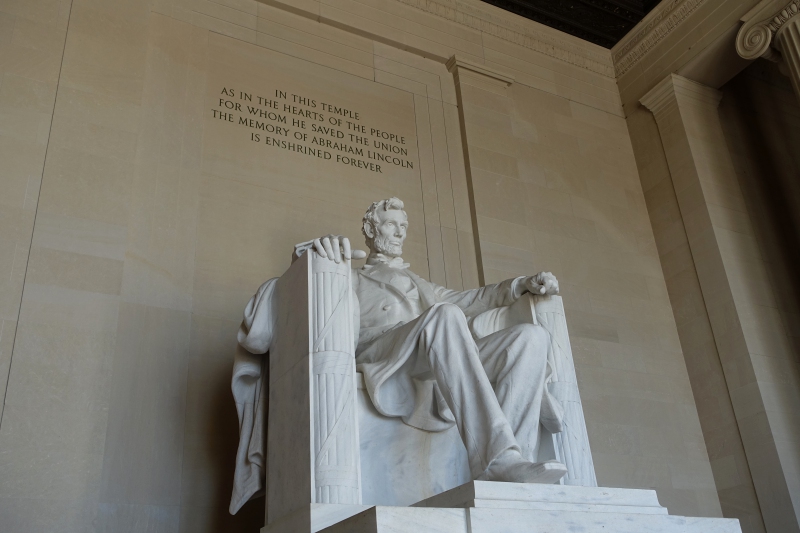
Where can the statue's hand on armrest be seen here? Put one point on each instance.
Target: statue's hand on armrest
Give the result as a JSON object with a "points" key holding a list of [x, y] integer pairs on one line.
{"points": [[543, 283], [333, 247]]}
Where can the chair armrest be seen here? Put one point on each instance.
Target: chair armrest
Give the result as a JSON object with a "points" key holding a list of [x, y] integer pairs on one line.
{"points": [[572, 444]]}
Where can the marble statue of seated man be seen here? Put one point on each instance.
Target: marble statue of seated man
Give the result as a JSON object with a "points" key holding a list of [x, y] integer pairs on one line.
{"points": [[422, 363]]}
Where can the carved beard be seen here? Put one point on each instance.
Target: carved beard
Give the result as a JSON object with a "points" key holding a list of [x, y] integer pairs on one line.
{"points": [[381, 245]]}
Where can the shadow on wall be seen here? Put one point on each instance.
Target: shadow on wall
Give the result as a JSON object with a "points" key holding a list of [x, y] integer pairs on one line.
{"points": [[761, 118]]}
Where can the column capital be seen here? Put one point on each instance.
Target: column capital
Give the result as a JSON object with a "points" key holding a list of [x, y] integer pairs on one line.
{"points": [[464, 68], [664, 95], [755, 37]]}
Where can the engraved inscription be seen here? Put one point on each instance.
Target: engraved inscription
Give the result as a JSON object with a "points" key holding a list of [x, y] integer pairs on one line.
{"points": [[313, 128]]}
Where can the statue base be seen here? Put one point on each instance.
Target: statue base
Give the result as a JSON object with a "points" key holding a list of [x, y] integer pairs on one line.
{"points": [[492, 507]]}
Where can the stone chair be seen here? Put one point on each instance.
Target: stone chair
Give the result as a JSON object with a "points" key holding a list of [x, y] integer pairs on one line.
{"points": [[330, 455]]}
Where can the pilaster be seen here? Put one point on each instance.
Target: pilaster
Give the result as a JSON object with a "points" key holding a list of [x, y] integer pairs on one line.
{"points": [[466, 71], [481, 91]]}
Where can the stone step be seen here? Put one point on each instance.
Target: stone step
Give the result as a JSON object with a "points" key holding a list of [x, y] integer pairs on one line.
{"points": [[382, 519], [492, 494]]}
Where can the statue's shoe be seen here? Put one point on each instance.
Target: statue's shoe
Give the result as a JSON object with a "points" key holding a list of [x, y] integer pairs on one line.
{"points": [[512, 468]]}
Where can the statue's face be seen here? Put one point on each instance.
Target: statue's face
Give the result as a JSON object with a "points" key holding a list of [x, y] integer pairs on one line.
{"points": [[390, 233]]}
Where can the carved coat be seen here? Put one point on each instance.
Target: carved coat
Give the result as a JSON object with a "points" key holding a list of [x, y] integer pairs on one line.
{"points": [[390, 296]]}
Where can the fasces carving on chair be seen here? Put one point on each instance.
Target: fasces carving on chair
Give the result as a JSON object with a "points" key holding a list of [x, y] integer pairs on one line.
{"points": [[493, 362], [336, 476]]}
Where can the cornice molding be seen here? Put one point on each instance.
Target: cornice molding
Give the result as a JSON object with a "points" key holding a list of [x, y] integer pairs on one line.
{"points": [[697, 92], [482, 17], [760, 26], [660, 97], [659, 23], [455, 65], [665, 95]]}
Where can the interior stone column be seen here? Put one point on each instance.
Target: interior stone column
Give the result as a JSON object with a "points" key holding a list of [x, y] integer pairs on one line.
{"points": [[788, 40], [478, 86], [772, 30], [747, 325]]}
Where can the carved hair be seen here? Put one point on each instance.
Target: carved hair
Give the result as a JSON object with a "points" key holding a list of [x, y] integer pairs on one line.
{"points": [[371, 216]]}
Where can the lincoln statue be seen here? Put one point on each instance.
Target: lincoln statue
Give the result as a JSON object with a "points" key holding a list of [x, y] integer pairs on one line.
{"points": [[423, 362]]}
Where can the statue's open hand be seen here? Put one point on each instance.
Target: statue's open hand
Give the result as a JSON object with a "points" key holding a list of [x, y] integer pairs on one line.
{"points": [[336, 248], [333, 247], [542, 283]]}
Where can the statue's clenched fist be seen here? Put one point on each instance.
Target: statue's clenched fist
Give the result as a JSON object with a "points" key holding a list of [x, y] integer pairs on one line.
{"points": [[542, 283]]}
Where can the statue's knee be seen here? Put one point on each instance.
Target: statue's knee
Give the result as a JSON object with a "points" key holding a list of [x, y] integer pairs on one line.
{"points": [[529, 346], [448, 311]]}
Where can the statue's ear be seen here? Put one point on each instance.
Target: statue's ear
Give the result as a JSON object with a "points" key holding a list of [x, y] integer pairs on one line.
{"points": [[368, 230]]}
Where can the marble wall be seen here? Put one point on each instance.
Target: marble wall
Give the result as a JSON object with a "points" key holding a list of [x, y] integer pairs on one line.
{"points": [[31, 48], [158, 217]]}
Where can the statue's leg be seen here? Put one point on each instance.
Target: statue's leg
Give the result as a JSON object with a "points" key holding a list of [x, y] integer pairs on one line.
{"points": [[515, 362], [447, 344], [439, 343], [455, 360]]}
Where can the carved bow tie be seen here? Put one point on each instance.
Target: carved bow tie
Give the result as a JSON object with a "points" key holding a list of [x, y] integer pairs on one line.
{"points": [[380, 259]]}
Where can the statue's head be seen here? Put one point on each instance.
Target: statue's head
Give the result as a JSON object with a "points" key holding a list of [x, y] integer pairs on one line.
{"points": [[384, 227]]}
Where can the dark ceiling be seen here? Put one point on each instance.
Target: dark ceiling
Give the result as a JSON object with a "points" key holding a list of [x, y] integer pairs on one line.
{"points": [[602, 22]]}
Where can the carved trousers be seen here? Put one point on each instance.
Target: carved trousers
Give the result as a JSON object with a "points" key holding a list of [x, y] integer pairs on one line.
{"points": [[493, 386]]}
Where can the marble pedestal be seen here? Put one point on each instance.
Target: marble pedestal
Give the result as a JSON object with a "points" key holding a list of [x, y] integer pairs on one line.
{"points": [[490, 507]]}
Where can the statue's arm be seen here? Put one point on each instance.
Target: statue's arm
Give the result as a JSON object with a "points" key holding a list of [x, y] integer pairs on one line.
{"points": [[476, 301]]}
